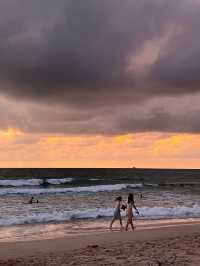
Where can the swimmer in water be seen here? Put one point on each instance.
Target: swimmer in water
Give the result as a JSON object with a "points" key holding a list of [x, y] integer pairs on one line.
{"points": [[31, 200]]}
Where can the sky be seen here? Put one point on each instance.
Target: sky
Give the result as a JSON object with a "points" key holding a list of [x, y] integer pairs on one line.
{"points": [[100, 83]]}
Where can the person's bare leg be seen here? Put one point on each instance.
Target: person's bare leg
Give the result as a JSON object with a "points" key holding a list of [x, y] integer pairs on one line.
{"points": [[111, 223], [133, 227], [121, 224], [127, 224]]}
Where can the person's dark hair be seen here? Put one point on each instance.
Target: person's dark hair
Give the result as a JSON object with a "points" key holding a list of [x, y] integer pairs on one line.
{"points": [[123, 207], [130, 198], [118, 198]]}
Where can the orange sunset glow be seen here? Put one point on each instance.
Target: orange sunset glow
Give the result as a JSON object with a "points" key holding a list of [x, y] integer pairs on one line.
{"points": [[151, 150], [105, 88]]}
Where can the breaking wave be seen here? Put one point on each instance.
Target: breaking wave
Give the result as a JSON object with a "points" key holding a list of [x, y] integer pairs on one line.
{"points": [[173, 184], [145, 213], [170, 212], [89, 189], [34, 182]]}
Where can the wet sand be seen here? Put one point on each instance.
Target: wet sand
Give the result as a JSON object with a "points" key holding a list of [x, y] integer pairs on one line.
{"points": [[169, 245]]}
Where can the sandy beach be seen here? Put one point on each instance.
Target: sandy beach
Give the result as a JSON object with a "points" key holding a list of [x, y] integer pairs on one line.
{"points": [[170, 245]]}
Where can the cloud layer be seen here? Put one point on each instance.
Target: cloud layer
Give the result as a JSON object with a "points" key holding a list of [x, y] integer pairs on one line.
{"points": [[100, 67]]}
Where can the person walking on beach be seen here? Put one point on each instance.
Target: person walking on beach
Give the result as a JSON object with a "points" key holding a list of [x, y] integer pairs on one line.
{"points": [[130, 207], [117, 212]]}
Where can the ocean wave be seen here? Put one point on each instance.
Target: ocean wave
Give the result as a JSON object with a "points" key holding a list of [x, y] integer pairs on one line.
{"points": [[64, 216], [89, 189], [57, 216], [34, 182], [169, 212], [172, 184], [57, 181], [20, 182], [151, 184]]}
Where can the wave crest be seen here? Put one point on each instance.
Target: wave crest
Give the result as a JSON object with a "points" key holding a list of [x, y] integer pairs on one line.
{"points": [[34, 182], [90, 189], [145, 213]]}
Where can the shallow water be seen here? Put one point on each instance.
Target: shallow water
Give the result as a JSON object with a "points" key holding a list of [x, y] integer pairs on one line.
{"points": [[76, 228]]}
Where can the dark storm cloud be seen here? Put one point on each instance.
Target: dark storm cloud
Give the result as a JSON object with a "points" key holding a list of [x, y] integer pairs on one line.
{"points": [[179, 72], [109, 121], [163, 122], [78, 48], [76, 56], [177, 68]]}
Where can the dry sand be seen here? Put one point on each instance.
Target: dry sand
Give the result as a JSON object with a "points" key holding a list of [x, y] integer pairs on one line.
{"points": [[174, 245]]}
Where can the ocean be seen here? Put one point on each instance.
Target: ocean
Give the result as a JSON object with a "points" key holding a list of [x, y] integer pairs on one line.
{"points": [[72, 201]]}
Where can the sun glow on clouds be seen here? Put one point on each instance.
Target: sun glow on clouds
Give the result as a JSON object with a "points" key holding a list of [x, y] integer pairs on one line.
{"points": [[10, 133], [140, 150], [171, 144]]}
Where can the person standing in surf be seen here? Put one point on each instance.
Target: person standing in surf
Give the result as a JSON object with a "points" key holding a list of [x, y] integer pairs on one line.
{"points": [[117, 212], [130, 207]]}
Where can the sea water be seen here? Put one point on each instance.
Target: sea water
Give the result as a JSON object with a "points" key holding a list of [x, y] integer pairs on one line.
{"points": [[72, 201]]}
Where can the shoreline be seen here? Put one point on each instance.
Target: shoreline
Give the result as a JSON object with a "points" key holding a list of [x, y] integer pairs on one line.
{"points": [[51, 231], [14, 250]]}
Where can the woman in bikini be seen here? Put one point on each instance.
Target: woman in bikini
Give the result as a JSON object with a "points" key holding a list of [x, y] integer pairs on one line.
{"points": [[130, 207]]}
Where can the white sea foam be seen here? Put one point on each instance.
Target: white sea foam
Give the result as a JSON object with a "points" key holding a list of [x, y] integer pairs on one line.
{"points": [[167, 212], [20, 182], [173, 184], [59, 181], [57, 216], [34, 182], [145, 213], [89, 189]]}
